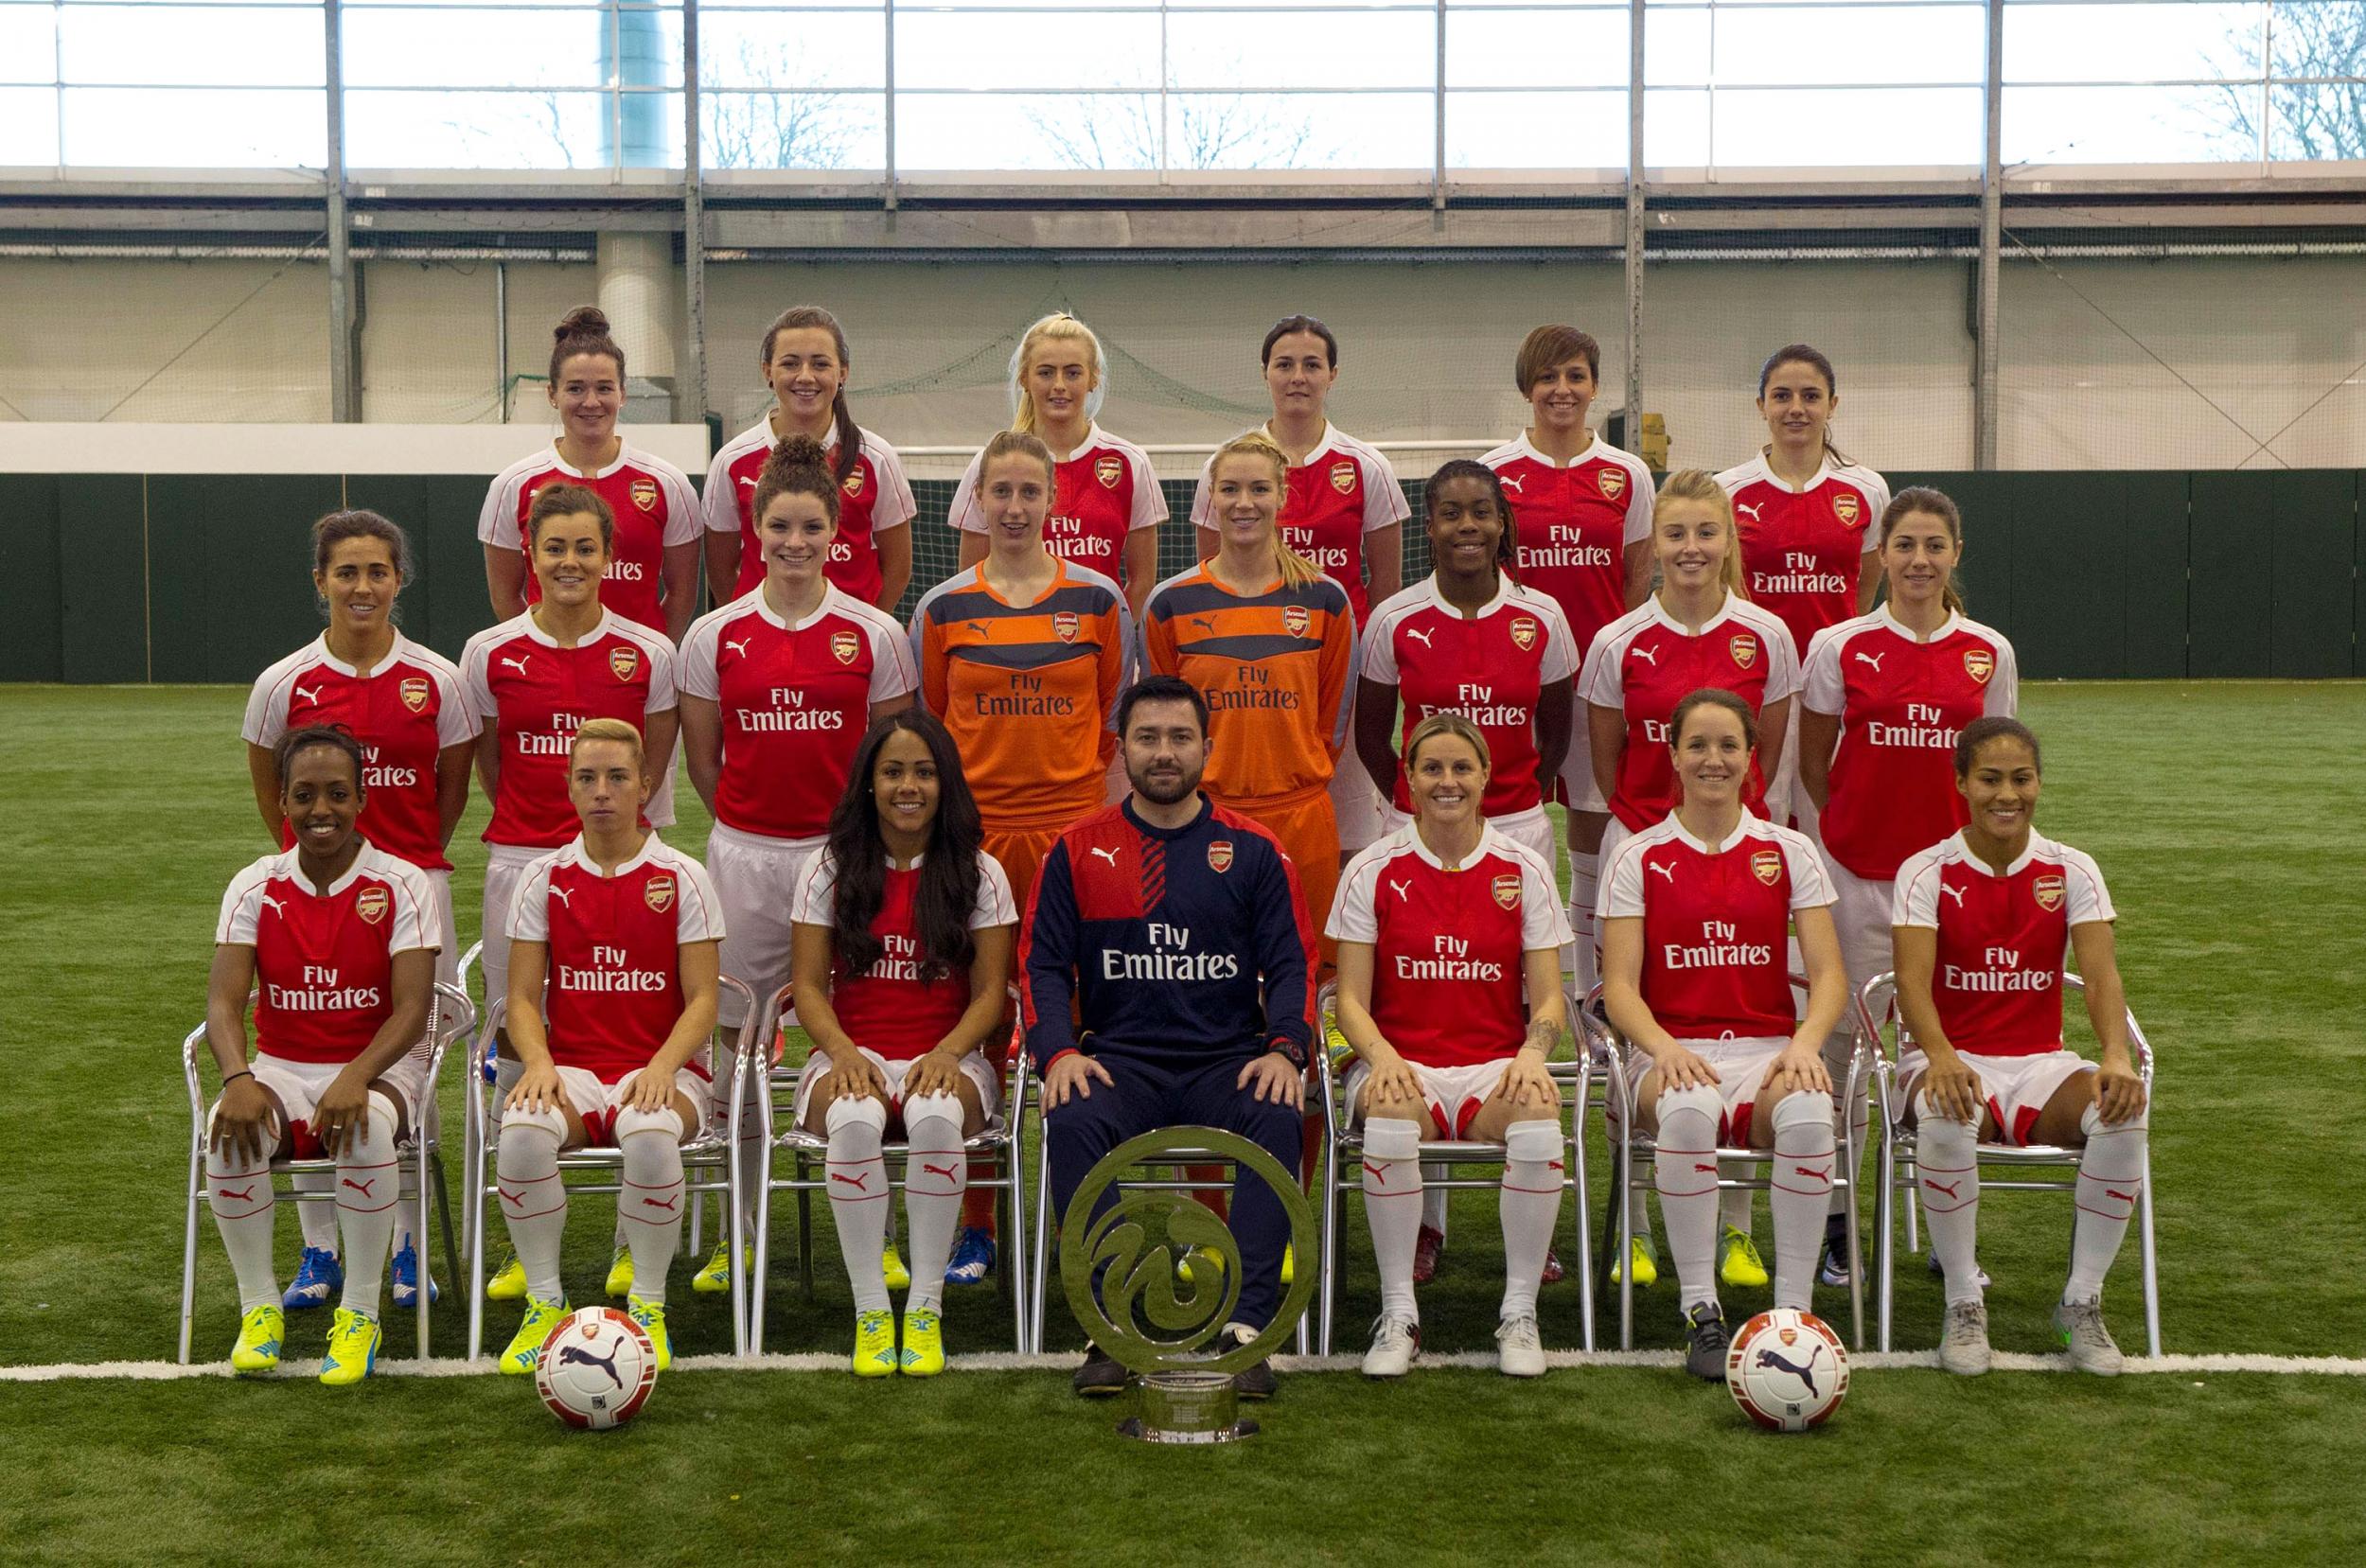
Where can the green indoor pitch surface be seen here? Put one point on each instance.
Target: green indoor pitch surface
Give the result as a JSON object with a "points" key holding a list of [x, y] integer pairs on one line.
{"points": [[2225, 818]]}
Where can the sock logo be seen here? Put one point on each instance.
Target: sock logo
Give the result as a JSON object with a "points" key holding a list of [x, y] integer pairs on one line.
{"points": [[945, 1171], [861, 1183], [671, 1206], [362, 1188], [1951, 1189], [243, 1194], [509, 1197], [1825, 1174], [2127, 1197], [1376, 1172], [1710, 1168]]}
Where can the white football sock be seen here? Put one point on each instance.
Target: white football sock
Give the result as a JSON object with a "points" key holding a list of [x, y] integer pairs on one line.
{"points": [[369, 1187], [1536, 1161], [1584, 889], [1947, 1178], [935, 1176], [649, 1209], [1434, 1198], [2110, 1178], [1392, 1172], [1802, 1188], [1839, 1046], [239, 1191], [317, 1220], [858, 1196], [534, 1198], [1685, 1174]]}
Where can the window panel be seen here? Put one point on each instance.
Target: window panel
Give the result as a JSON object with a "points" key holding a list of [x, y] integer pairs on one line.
{"points": [[1090, 49], [29, 49], [2148, 42], [2317, 122], [1279, 50], [1675, 127], [1301, 131], [1918, 43], [1575, 48], [1020, 131], [29, 126], [1877, 126], [1675, 49], [2320, 38], [512, 48], [793, 130], [170, 45], [1536, 130], [2130, 125], [759, 49], [211, 128], [537, 129]]}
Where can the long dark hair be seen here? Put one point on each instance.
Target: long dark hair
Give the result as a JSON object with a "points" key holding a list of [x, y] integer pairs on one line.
{"points": [[849, 435], [948, 869]]}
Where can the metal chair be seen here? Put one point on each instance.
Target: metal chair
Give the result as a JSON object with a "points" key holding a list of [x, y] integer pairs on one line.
{"points": [[809, 1151], [1874, 1003], [1636, 1151], [1346, 1142], [419, 1161], [706, 1164], [1044, 1241]]}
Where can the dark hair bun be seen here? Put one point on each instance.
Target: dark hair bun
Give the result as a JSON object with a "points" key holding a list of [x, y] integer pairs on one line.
{"points": [[799, 452], [584, 321]]}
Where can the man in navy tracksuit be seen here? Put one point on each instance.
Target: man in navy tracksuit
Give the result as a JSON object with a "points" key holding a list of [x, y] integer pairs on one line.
{"points": [[1179, 929]]}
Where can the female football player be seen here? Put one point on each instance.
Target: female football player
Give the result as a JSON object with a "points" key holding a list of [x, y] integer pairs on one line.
{"points": [[1341, 508], [904, 933], [1885, 695], [1807, 518], [336, 938], [530, 682], [1023, 656], [653, 565], [1583, 510], [804, 361], [612, 987], [776, 690], [1982, 919], [1696, 916], [1106, 505], [1270, 642], [402, 701], [1700, 629], [1450, 936]]}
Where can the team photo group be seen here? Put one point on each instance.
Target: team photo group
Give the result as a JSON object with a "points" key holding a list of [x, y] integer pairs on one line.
{"points": [[1150, 849]]}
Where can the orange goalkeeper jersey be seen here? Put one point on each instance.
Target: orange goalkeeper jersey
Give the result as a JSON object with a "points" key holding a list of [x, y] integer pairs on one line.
{"points": [[1274, 668], [1026, 690]]}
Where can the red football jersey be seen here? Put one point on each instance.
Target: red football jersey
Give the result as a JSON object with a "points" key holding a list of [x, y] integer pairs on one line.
{"points": [[1803, 549], [324, 962], [1343, 491], [1716, 924], [1104, 491], [404, 714], [1491, 669], [536, 695], [655, 508], [1575, 524], [1644, 663], [795, 702], [1447, 980], [892, 1010], [874, 497], [1998, 980], [1901, 704], [613, 986]]}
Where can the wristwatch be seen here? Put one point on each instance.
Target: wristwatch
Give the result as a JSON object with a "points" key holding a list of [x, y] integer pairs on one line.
{"points": [[1289, 1048]]}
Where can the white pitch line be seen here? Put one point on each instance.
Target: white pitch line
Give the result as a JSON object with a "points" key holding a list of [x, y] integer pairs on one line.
{"points": [[1004, 1361]]}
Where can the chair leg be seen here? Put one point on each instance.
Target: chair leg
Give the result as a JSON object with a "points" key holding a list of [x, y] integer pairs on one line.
{"points": [[1039, 1263], [1885, 1237], [2152, 1276], [443, 1216], [188, 1242], [419, 1250], [1327, 1286], [697, 1222], [1584, 1220], [1626, 1236], [805, 1231], [1012, 1203], [473, 1206]]}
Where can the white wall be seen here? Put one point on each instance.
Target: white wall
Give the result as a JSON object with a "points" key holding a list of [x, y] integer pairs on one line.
{"points": [[1426, 348]]}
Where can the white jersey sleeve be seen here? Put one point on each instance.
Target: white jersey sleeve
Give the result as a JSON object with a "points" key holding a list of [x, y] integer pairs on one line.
{"points": [[895, 506], [1782, 661], [530, 906], [1561, 660], [1915, 896], [456, 722], [1602, 679], [1353, 918], [1203, 501], [1877, 495], [965, 514], [715, 502], [693, 666], [1642, 499], [1622, 882], [1378, 655], [242, 903], [1810, 884], [413, 925], [1543, 922], [267, 703], [1385, 504], [891, 671], [2003, 689], [497, 522], [659, 651], [995, 905], [2083, 881], [698, 914], [811, 906], [684, 523], [1822, 690], [1150, 499]]}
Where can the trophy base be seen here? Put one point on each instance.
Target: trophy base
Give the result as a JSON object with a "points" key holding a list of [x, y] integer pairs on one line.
{"points": [[1187, 1407]]}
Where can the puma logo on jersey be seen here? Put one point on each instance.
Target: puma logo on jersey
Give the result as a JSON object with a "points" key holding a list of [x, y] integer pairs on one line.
{"points": [[310, 694], [516, 665], [273, 904], [1745, 506], [1417, 631], [750, 483], [1110, 855], [980, 629], [1205, 624], [1510, 483], [1956, 893], [738, 646], [1648, 656], [1404, 890], [565, 896], [1872, 658], [1667, 872]]}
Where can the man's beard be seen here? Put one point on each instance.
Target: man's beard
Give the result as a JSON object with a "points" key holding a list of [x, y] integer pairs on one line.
{"points": [[1164, 792]]}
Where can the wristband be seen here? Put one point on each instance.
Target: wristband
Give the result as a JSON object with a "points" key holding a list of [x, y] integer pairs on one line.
{"points": [[243, 1072]]}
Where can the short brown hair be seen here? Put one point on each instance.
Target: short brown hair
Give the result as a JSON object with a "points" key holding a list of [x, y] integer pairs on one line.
{"points": [[1550, 345]]}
